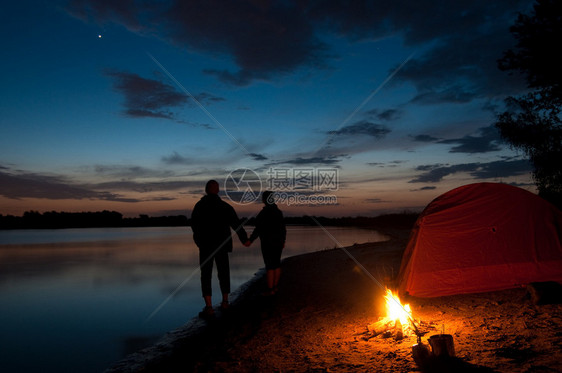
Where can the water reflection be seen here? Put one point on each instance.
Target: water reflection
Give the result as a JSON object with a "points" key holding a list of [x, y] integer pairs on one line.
{"points": [[78, 299]]}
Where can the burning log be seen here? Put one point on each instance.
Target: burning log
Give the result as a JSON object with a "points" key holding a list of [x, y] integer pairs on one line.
{"points": [[379, 327], [399, 332], [386, 328]]}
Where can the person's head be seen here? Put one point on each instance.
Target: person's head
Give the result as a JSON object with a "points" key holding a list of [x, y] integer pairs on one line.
{"points": [[212, 187], [268, 197]]}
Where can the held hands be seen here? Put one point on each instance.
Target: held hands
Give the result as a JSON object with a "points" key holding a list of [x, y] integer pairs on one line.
{"points": [[247, 243]]}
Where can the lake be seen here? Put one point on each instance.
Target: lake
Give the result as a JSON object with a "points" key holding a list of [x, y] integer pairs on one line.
{"points": [[77, 300]]}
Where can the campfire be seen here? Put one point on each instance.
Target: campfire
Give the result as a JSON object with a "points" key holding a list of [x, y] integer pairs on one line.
{"points": [[395, 311], [398, 322]]}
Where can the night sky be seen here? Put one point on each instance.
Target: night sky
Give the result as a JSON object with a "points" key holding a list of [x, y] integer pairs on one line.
{"points": [[133, 105]]}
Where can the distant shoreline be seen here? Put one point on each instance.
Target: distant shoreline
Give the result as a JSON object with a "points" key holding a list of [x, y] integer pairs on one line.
{"points": [[114, 219]]}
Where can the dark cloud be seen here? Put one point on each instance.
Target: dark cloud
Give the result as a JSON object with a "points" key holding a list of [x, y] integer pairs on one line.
{"points": [[423, 188], [20, 184], [146, 97], [32, 185], [363, 127], [460, 40], [208, 159], [455, 94], [385, 115], [327, 160], [205, 97], [491, 170], [258, 157], [424, 138], [177, 159], [353, 138], [265, 39], [487, 140], [150, 98], [124, 12], [130, 172], [467, 38], [500, 169], [385, 164]]}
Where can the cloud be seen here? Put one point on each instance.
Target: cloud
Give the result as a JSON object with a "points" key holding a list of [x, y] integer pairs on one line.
{"points": [[352, 139], [385, 164], [130, 172], [424, 138], [150, 98], [423, 188], [146, 97], [177, 159], [456, 94], [363, 127], [264, 39], [124, 12], [458, 42], [491, 170], [208, 98], [258, 157], [21, 184], [463, 43], [488, 140], [209, 162], [326, 160], [385, 115], [33, 185]]}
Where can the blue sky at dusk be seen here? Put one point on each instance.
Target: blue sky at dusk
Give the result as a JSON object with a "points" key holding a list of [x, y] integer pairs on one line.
{"points": [[133, 105]]}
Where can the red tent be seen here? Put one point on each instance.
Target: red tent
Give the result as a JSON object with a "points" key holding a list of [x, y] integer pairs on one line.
{"points": [[482, 237]]}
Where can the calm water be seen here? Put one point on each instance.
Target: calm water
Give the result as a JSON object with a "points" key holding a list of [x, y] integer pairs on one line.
{"points": [[80, 299]]}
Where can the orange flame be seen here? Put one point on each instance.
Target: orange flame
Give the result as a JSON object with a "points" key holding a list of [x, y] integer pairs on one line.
{"points": [[395, 310]]}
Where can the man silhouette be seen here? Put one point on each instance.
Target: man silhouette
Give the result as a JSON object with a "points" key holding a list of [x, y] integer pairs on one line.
{"points": [[211, 221]]}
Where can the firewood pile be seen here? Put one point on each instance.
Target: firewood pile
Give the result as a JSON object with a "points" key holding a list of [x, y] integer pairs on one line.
{"points": [[386, 328]]}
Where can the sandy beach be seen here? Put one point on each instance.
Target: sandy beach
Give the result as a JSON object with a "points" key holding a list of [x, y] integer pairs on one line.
{"points": [[318, 323]]}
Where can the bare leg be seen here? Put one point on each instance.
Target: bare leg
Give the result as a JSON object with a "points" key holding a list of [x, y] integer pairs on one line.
{"points": [[208, 301], [270, 275], [276, 277]]}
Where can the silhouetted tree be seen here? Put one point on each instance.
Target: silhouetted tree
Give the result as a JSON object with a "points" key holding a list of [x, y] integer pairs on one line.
{"points": [[532, 121]]}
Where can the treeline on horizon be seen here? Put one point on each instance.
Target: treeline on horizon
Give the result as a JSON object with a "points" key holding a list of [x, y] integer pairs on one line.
{"points": [[114, 219]]}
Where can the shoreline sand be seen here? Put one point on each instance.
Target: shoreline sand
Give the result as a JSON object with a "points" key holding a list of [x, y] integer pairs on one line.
{"points": [[318, 319]]}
